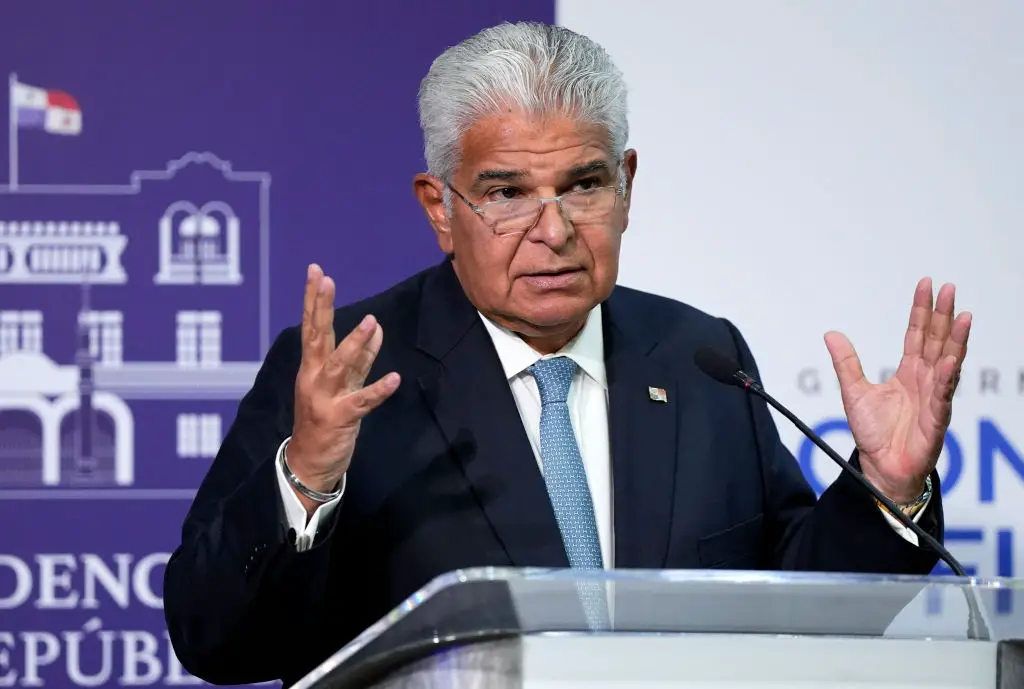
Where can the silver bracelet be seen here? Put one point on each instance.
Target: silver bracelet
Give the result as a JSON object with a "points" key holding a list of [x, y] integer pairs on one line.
{"points": [[314, 495]]}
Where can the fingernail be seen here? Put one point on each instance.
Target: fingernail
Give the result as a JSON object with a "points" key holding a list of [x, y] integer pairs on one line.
{"points": [[367, 323], [323, 284], [392, 379]]}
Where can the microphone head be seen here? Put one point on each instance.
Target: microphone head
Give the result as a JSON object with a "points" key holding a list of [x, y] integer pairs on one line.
{"points": [[719, 365]]}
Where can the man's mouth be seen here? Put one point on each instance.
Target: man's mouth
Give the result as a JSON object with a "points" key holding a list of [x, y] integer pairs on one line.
{"points": [[554, 279], [553, 272]]}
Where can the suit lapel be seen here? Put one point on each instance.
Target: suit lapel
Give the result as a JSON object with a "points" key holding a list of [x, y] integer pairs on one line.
{"points": [[474, 406], [643, 436]]}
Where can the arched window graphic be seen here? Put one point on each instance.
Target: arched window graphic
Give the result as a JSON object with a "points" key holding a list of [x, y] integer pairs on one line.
{"points": [[87, 448], [51, 434], [23, 442], [199, 245], [107, 458]]}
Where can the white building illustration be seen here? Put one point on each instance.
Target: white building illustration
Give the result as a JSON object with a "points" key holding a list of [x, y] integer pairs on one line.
{"points": [[112, 329]]}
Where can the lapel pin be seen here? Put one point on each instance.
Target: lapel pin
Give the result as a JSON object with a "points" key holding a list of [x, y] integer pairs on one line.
{"points": [[657, 394]]}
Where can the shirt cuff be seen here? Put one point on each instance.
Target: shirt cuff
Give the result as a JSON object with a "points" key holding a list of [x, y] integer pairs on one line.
{"points": [[903, 530], [295, 514]]}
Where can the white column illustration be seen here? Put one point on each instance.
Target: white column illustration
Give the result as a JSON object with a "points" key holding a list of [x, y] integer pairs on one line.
{"points": [[224, 266], [10, 332], [187, 345], [12, 132], [188, 435], [209, 435], [234, 274], [210, 339], [32, 331], [177, 245]]}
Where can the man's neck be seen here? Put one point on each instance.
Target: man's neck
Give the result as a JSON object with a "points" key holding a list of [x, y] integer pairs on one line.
{"points": [[549, 343]]}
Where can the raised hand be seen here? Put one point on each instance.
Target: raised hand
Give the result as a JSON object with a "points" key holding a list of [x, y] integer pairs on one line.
{"points": [[899, 426], [330, 397]]}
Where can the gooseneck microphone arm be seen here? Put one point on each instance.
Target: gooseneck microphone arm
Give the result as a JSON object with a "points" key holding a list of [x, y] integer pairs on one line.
{"points": [[726, 370], [890, 506]]}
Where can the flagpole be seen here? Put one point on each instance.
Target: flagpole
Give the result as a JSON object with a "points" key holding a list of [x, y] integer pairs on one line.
{"points": [[12, 148]]}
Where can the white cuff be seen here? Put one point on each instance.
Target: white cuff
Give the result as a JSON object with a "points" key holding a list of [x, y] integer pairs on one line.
{"points": [[900, 528], [305, 531]]}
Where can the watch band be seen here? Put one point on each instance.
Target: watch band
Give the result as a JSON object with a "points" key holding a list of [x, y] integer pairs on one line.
{"points": [[314, 495], [912, 508]]}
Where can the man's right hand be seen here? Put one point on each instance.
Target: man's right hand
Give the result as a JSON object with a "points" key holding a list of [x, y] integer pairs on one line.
{"points": [[330, 398]]}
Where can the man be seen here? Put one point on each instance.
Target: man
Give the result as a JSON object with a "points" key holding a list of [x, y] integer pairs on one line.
{"points": [[513, 407]]}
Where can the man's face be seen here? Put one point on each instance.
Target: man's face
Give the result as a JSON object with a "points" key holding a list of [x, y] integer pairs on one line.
{"points": [[544, 281]]}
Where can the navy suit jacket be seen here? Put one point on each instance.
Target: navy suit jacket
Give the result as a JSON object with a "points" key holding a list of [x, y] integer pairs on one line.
{"points": [[443, 477]]}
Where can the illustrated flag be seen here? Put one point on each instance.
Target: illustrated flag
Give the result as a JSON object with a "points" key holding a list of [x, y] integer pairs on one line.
{"points": [[55, 112]]}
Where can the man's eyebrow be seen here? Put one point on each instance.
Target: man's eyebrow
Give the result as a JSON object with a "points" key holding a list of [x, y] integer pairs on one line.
{"points": [[587, 169], [499, 175], [508, 175]]}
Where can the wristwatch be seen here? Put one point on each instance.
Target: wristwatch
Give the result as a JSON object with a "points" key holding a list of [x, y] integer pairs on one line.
{"points": [[912, 508]]}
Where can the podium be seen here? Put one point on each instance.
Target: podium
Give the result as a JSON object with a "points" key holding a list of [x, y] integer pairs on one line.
{"points": [[533, 629]]}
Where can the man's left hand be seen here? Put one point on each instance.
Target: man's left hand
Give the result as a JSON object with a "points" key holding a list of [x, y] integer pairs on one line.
{"points": [[899, 426]]}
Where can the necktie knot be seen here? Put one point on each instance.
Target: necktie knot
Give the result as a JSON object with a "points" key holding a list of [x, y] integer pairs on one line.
{"points": [[554, 378]]}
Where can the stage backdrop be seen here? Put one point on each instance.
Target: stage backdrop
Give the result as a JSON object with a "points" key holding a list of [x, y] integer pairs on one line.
{"points": [[801, 165], [175, 166]]}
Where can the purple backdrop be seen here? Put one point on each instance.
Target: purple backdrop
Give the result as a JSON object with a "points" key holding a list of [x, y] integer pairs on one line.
{"points": [[148, 255]]}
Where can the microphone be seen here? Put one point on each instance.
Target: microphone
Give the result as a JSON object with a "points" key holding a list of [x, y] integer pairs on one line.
{"points": [[725, 369]]}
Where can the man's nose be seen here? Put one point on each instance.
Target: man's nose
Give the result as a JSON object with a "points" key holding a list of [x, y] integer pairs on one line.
{"points": [[552, 227]]}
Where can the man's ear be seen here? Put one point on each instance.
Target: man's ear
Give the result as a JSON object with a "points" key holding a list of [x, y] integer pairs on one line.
{"points": [[429, 191], [629, 167]]}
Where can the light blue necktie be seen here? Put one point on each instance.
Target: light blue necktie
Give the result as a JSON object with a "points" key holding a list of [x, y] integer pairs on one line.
{"points": [[566, 480]]}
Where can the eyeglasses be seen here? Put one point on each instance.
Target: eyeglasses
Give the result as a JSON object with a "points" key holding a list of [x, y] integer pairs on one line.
{"points": [[513, 216]]}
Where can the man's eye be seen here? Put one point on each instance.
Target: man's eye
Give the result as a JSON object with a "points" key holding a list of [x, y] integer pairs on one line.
{"points": [[503, 194], [585, 184]]}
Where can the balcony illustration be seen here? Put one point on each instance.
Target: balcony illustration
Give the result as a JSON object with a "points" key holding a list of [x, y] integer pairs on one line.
{"points": [[61, 252]]}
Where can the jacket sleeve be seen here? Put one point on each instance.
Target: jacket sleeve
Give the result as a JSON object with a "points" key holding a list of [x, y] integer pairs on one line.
{"points": [[240, 601], [843, 530]]}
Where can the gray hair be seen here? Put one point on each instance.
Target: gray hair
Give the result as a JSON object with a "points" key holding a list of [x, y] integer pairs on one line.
{"points": [[530, 66]]}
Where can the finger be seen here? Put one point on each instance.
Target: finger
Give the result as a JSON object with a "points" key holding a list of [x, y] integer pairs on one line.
{"points": [[323, 319], [362, 401], [355, 373], [920, 315], [349, 364], [947, 376], [956, 343], [318, 297], [309, 304], [846, 364], [940, 324]]}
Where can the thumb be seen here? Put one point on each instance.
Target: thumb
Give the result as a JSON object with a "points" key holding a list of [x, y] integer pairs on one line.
{"points": [[845, 362]]}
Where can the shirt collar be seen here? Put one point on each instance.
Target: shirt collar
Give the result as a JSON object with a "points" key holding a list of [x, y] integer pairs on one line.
{"points": [[586, 349]]}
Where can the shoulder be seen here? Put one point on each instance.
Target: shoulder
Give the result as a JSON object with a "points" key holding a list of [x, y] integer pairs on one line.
{"points": [[397, 308], [674, 328]]}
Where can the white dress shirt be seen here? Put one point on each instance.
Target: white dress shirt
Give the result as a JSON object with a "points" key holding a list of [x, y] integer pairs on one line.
{"points": [[588, 409]]}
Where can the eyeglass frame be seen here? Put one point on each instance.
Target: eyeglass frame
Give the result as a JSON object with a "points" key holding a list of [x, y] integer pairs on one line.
{"points": [[478, 210]]}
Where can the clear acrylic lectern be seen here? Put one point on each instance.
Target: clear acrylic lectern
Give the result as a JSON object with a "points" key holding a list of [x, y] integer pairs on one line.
{"points": [[506, 628]]}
